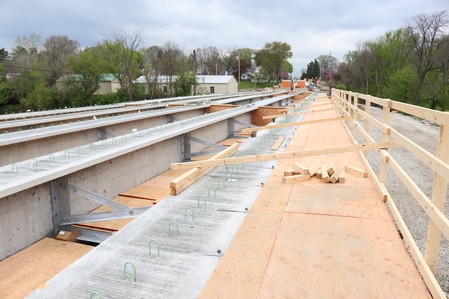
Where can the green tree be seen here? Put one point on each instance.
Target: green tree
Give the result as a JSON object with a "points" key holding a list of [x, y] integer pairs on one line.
{"points": [[272, 56], [184, 84], [123, 59], [89, 68], [427, 34]]}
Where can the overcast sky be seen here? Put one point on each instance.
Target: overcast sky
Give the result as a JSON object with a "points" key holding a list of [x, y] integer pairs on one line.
{"points": [[310, 27]]}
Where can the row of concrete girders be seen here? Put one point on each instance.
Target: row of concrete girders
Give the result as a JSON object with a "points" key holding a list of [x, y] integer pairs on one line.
{"points": [[31, 123], [45, 113], [186, 261], [106, 168], [22, 145]]}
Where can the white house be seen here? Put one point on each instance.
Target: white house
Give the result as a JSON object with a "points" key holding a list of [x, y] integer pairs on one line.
{"points": [[206, 83]]}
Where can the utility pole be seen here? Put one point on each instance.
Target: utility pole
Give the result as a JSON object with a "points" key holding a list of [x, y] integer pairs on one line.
{"points": [[194, 71], [238, 89]]}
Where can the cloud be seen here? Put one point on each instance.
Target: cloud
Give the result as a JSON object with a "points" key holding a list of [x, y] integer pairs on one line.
{"points": [[312, 28]]}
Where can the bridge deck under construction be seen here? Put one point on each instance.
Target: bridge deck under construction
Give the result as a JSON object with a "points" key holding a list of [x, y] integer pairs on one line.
{"points": [[317, 240], [298, 240]]}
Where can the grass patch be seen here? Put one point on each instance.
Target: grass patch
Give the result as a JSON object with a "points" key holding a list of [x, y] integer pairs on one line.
{"points": [[251, 85]]}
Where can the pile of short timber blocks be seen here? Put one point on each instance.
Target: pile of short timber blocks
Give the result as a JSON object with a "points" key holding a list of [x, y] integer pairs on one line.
{"points": [[328, 173]]}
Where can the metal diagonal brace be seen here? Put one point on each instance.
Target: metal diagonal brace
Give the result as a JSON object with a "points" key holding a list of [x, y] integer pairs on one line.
{"points": [[94, 197], [217, 147], [205, 142], [102, 216]]}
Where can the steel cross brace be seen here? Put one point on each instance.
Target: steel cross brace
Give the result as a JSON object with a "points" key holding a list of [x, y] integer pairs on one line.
{"points": [[120, 211], [218, 147]]}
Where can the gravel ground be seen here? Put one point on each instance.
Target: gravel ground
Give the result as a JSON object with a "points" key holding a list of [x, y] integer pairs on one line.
{"points": [[425, 134]]}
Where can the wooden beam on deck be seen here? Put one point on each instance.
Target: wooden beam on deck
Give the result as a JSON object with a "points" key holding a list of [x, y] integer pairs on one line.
{"points": [[249, 130], [182, 182], [297, 113], [279, 156]]}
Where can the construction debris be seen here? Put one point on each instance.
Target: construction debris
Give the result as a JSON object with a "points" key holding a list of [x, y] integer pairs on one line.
{"points": [[357, 172], [328, 173]]}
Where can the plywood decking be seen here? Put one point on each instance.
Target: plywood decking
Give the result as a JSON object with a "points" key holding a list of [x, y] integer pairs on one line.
{"points": [[317, 240], [30, 268]]}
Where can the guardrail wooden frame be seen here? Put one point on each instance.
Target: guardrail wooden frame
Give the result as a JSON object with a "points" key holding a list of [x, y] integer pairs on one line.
{"points": [[439, 163]]}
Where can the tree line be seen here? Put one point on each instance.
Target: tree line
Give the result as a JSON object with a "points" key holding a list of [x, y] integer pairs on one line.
{"points": [[410, 64], [32, 74]]}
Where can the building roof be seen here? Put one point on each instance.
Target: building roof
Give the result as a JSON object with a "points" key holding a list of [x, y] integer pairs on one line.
{"points": [[79, 77], [201, 79]]}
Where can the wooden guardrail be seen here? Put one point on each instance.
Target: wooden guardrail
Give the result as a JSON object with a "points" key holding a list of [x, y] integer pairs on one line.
{"points": [[439, 163]]}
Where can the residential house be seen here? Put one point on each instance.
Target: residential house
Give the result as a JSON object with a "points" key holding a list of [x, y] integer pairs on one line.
{"points": [[206, 83]]}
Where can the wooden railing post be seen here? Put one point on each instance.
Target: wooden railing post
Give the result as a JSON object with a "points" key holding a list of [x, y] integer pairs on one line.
{"points": [[366, 122], [385, 137], [354, 113], [438, 198]]}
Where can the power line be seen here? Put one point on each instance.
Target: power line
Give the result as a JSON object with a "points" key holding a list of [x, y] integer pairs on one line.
{"points": [[34, 69], [48, 78]]}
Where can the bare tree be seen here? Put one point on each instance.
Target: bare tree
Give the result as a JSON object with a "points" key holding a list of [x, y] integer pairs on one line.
{"points": [[151, 67], [171, 57], [123, 57], [426, 33], [56, 52], [209, 61], [229, 57]]}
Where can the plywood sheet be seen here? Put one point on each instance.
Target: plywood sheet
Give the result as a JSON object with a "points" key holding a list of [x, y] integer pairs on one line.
{"points": [[240, 272], [30, 268], [319, 256], [147, 192], [358, 197]]}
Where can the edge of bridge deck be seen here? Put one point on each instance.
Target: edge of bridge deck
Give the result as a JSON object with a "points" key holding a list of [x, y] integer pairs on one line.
{"points": [[317, 240]]}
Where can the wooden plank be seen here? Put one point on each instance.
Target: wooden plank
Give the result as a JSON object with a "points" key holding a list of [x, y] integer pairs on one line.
{"points": [[356, 171], [31, 268], [342, 177], [287, 155], [297, 113], [316, 121], [277, 143], [439, 117], [182, 182], [435, 163], [438, 198], [290, 173], [325, 174], [295, 178], [331, 169], [428, 277], [309, 106], [334, 177], [314, 168], [435, 215], [300, 168]]}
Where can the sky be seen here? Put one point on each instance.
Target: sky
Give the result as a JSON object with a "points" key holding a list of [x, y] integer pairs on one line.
{"points": [[312, 28]]}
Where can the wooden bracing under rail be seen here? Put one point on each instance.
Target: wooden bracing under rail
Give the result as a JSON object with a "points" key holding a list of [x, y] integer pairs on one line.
{"points": [[434, 207]]}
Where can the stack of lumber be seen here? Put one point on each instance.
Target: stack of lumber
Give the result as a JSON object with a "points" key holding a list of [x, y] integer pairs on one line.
{"points": [[328, 173]]}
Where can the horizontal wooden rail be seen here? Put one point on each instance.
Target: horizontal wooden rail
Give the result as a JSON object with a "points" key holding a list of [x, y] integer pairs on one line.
{"points": [[248, 130], [296, 154], [296, 113], [439, 164]]}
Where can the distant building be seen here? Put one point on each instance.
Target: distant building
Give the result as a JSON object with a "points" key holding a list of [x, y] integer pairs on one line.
{"points": [[108, 83], [206, 83]]}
